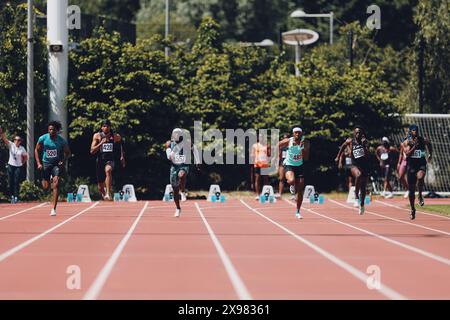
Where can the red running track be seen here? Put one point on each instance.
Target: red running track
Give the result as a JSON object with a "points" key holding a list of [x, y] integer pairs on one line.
{"points": [[239, 249]]}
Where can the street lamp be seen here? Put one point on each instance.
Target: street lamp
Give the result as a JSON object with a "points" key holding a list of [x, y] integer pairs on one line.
{"points": [[302, 14], [264, 43], [167, 27], [298, 38]]}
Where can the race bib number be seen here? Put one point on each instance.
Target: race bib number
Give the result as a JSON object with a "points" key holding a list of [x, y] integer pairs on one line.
{"points": [[417, 154], [53, 153], [283, 154], [358, 153], [297, 157], [179, 158], [348, 161], [107, 147], [384, 156]]}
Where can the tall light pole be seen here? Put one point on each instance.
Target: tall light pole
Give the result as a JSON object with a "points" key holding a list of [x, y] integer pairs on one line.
{"points": [[30, 93], [167, 27], [302, 14], [298, 38], [58, 61]]}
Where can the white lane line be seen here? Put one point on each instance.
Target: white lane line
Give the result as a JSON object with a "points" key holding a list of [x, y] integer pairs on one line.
{"points": [[397, 220], [97, 285], [423, 212], [238, 285], [19, 247], [384, 289], [22, 211], [398, 243]]}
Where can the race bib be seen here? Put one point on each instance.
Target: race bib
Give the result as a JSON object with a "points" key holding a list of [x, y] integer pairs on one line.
{"points": [[297, 157], [52, 153], [283, 154], [107, 147], [179, 158], [417, 154], [384, 156], [358, 153], [348, 161]]}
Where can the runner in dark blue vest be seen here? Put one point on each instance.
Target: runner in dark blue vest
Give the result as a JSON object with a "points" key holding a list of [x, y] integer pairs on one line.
{"points": [[360, 164], [416, 158], [105, 144]]}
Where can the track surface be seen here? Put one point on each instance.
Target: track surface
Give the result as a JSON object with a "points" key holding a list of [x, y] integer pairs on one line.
{"points": [[240, 249]]}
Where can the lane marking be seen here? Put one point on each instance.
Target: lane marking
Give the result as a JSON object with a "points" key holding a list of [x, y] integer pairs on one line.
{"points": [[398, 243], [238, 285], [384, 289], [22, 211], [99, 282], [19, 247], [423, 212], [394, 219]]}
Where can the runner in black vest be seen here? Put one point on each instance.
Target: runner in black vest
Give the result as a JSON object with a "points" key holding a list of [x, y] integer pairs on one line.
{"points": [[105, 143], [415, 147], [360, 164]]}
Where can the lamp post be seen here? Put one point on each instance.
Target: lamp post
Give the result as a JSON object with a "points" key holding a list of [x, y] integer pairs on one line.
{"points": [[302, 14], [167, 27], [30, 94], [298, 38]]}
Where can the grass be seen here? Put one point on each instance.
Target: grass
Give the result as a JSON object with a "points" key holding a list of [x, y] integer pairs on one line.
{"points": [[443, 209]]}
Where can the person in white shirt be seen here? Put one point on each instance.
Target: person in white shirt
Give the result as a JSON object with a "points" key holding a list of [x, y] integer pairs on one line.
{"points": [[17, 158]]}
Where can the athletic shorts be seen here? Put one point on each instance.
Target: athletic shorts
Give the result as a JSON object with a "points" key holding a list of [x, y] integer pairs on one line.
{"points": [[386, 171], [411, 172], [258, 170], [174, 171], [101, 174], [297, 170], [51, 170], [363, 168], [348, 171]]}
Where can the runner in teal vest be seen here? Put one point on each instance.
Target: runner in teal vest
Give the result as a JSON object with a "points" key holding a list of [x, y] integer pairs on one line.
{"points": [[55, 152], [297, 153]]}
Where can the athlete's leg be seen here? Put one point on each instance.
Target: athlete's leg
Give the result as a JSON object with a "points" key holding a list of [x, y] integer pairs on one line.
{"points": [[281, 179], [257, 183], [265, 179], [182, 176], [356, 173], [108, 180], [290, 178], [300, 187], [55, 185], [402, 176], [412, 180], [420, 183], [363, 185], [101, 189]]}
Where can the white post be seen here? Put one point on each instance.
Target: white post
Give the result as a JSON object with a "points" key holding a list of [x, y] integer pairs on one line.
{"points": [[30, 94], [297, 60], [167, 27], [331, 27], [57, 33]]}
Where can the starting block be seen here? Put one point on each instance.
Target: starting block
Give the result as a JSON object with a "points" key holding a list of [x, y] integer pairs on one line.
{"points": [[267, 195], [316, 198], [309, 191], [168, 193], [367, 200], [128, 189], [121, 196], [214, 194], [83, 190]]}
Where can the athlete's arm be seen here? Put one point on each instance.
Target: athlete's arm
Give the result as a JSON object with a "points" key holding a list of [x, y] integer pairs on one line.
{"points": [[122, 154], [168, 151], [66, 155], [96, 143], [341, 149], [410, 149], [400, 156], [37, 152], [283, 144], [377, 153], [5, 140]]}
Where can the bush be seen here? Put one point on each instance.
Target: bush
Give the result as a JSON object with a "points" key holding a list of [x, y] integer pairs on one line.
{"points": [[31, 192]]}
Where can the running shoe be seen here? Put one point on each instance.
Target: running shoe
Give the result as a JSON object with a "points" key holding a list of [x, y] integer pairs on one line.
{"points": [[412, 216], [406, 194], [292, 190], [257, 198], [356, 203], [177, 213], [183, 196], [277, 195], [298, 215], [421, 202], [53, 213], [107, 197], [12, 200], [361, 210], [388, 195]]}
